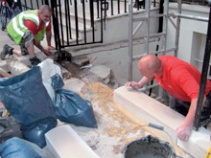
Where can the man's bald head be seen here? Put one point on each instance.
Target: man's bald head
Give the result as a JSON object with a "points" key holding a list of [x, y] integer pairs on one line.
{"points": [[45, 8], [149, 65], [45, 13]]}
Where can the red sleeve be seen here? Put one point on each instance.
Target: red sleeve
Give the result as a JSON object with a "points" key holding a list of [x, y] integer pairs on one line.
{"points": [[48, 28], [31, 26]]}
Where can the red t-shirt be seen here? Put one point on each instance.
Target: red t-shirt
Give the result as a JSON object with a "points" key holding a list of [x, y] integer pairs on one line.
{"points": [[180, 79], [33, 27]]}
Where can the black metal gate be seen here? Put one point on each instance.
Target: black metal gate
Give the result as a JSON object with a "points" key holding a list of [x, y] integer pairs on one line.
{"points": [[75, 22]]}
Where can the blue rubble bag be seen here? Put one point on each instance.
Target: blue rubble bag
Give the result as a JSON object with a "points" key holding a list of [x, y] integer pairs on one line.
{"points": [[9, 128], [27, 100], [19, 148], [70, 107]]}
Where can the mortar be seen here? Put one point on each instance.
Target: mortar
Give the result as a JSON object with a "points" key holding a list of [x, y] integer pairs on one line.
{"points": [[149, 147]]}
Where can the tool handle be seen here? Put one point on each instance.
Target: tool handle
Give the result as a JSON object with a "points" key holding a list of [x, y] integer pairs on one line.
{"points": [[156, 126]]}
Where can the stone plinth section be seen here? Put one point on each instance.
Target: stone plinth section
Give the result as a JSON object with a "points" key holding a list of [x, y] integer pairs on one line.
{"points": [[150, 110], [64, 142]]}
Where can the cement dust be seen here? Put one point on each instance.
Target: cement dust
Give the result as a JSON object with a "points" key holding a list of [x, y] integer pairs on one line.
{"points": [[116, 126]]}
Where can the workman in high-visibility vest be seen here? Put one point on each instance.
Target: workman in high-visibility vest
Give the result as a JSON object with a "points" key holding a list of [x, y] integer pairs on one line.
{"points": [[28, 29]]}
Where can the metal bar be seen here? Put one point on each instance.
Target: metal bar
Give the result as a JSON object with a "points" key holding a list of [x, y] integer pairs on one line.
{"points": [[61, 23], [140, 18], [204, 74], [76, 20], [55, 24], [66, 20], [157, 15], [92, 19], [146, 17], [138, 27], [165, 25], [112, 7], [105, 11], [24, 5], [98, 9], [147, 14], [118, 6], [80, 44], [153, 35], [46, 2], [172, 22], [69, 19], [164, 51], [190, 17], [178, 28], [101, 22], [91, 12], [84, 21], [38, 6], [130, 47], [156, 52], [32, 5], [125, 6]]}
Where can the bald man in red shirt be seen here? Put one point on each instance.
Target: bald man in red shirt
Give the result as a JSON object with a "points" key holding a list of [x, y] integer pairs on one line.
{"points": [[181, 80]]}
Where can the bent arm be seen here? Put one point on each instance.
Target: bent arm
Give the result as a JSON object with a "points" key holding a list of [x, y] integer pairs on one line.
{"points": [[48, 37], [184, 131], [38, 45], [144, 81], [137, 85]]}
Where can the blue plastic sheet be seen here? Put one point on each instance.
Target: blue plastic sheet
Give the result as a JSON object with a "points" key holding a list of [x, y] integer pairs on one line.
{"points": [[70, 107], [19, 148], [27, 100]]}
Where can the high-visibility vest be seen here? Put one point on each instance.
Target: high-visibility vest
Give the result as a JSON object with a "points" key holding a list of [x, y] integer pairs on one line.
{"points": [[16, 28]]}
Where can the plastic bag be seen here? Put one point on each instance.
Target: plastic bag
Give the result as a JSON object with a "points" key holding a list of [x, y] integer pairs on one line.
{"points": [[70, 107], [25, 97], [9, 128], [27, 100], [49, 69], [19, 148], [36, 132]]}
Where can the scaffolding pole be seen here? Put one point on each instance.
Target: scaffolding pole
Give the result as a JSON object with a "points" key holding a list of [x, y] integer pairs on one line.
{"points": [[130, 32], [204, 75]]}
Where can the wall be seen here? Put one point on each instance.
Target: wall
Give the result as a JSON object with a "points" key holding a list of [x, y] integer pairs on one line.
{"points": [[188, 28], [114, 50]]}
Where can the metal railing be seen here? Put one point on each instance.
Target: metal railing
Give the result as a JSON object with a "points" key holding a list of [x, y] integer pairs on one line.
{"points": [[198, 2]]}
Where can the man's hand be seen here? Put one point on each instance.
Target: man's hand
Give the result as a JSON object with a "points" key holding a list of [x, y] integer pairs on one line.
{"points": [[47, 52], [184, 132], [50, 48], [133, 84]]}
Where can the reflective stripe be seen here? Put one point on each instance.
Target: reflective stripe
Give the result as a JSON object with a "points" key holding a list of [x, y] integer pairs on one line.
{"points": [[21, 21], [18, 31], [28, 16], [32, 16]]}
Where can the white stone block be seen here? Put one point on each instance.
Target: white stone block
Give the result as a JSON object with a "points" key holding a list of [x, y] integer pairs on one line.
{"points": [[64, 142]]}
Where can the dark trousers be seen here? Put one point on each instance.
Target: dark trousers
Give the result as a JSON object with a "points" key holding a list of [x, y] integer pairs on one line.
{"points": [[183, 107]]}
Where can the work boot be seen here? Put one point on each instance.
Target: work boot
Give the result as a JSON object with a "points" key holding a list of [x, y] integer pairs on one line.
{"points": [[35, 61], [7, 50]]}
